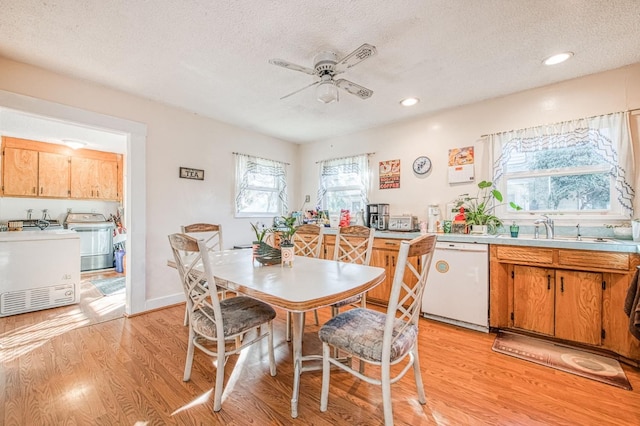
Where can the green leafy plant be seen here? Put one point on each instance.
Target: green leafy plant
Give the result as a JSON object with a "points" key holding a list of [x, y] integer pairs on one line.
{"points": [[286, 229], [260, 231], [479, 209]]}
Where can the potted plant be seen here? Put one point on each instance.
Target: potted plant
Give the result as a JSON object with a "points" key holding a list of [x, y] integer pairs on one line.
{"points": [[286, 229], [479, 210]]}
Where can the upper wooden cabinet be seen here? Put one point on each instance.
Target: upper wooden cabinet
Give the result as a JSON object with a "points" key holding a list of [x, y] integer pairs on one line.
{"points": [[94, 178], [20, 172], [53, 175], [38, 169]]}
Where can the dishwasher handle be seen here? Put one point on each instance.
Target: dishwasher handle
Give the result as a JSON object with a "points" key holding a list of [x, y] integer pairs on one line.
{"points": [[462, 247]]}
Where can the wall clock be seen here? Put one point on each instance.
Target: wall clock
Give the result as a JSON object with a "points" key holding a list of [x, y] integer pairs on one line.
{"points": [[422, 165]]}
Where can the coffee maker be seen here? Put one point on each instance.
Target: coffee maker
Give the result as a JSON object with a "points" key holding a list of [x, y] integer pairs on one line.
{"points": [[377, 216]]}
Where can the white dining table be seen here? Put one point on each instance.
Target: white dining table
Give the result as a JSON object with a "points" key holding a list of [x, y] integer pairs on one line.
{"points": [[309, 284]]}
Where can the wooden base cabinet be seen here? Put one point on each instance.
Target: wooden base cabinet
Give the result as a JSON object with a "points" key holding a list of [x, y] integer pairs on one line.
{"points": [[569, 295], [560, 303]]}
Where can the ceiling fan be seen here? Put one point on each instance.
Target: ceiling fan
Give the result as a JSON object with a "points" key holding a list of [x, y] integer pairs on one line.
{"points": [[326, 67]]}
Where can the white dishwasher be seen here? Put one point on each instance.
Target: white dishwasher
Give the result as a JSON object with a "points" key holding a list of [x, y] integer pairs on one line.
{"points": [[457, 290]]}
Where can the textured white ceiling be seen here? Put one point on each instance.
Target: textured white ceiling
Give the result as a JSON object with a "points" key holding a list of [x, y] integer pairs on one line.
{"points": [[211, 57]]}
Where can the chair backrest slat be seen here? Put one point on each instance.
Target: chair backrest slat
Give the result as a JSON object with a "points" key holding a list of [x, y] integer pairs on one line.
{"points": [[307, 240], [211, 233], [354, 244]]}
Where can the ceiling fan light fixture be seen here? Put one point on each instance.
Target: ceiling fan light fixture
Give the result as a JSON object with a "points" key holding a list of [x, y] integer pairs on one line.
{"points": [[74, 144], [557, 58], [327, 92], [409, 102]]}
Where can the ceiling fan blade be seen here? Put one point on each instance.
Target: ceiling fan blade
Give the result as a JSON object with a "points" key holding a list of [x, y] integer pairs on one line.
{"points": [[354, 58], [291, 66], [354, 89], [300, 90]]}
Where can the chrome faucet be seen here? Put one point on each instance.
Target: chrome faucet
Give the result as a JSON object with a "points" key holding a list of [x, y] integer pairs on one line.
{"points": [[548, 225]]}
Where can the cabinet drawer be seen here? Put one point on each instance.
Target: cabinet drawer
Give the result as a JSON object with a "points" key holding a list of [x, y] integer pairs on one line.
{"points": [[386, 243], [594, 260], [525, 254]]}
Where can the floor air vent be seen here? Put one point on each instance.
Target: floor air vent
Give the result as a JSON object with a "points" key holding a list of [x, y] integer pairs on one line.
{"points": [[18, 302]]}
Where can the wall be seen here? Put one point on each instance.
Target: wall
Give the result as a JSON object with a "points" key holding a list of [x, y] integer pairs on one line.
{"points": [[434, 135], [174, 138]]}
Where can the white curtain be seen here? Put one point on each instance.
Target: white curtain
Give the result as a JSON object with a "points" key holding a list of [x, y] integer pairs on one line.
{"points": [[344, 172], [248, 168], [609, 132]]}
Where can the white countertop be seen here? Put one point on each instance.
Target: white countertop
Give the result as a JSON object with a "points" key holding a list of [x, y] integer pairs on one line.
{"points": [[59, 234], [587, 243]]}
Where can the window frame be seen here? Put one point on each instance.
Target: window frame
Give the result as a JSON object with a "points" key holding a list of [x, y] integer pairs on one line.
{"points": [[242, 185], [616, 212]]}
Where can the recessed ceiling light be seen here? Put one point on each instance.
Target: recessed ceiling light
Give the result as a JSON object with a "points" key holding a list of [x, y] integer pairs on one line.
{"points": [[558, 58], [409, 101], [74, 144]]}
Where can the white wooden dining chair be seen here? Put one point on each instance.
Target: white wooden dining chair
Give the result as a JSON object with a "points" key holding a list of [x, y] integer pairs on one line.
{"points": [[307, 241], [212, 236], [383, 339], [354, 244], [215, 324]]}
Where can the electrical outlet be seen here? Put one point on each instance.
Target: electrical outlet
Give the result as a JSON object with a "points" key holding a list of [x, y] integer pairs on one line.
{"points": [[307, 198]]}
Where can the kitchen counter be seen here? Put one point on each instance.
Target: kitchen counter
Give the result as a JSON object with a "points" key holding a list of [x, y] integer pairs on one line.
{"points": [[59, 234], [587, 243]]}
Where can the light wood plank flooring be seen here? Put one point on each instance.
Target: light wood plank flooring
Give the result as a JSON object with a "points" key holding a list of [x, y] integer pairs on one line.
{"points": [[128, 371]]}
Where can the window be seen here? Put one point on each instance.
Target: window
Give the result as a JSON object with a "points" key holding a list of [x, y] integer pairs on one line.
{"points": [[344, 183], [580, 167], [261, 187]]}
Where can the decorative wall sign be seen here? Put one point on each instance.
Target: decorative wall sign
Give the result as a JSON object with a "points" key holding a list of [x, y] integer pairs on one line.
{"points": [[188, 173], [389, 172], [461, 165]]}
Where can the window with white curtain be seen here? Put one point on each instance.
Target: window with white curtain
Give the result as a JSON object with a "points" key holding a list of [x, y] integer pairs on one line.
{"points": [[576, 168], [261, 187], [344, 183]]}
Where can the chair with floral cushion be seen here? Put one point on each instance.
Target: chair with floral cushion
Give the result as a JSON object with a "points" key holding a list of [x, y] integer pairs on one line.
{"points": [[354, 244], [215, 324], [383, 339], [212, 236]]}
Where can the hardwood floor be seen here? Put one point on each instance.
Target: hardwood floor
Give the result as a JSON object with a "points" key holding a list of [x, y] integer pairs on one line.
{"points": [[128, 371]]}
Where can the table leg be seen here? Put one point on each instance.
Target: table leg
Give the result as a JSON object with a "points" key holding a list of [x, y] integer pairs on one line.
{"points": [[298, 329]]}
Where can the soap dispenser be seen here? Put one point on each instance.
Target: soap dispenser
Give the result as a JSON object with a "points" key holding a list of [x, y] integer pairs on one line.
{"points": [[514, 230]]}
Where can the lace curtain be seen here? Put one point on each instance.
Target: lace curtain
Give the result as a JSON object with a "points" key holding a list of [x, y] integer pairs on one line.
{"points": [[347, 173], [258, 182], [609, 132]]}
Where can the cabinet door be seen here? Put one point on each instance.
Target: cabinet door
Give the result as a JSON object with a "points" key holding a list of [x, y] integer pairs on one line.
{"points": [[84, 177], [53, 175], [579, 306], [533, 299], [107, 184], [382, 259], [20, 172]]}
